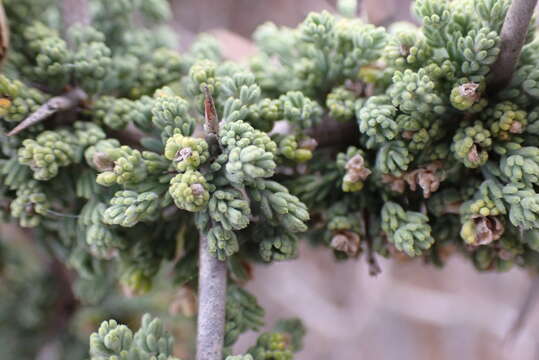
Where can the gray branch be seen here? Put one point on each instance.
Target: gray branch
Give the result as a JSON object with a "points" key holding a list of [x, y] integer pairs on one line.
{"points": [[67, 101], [212, 273], [211, 304], [513, 35]]}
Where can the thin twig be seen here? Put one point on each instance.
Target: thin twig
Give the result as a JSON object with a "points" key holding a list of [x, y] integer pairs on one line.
{"points": [[513, 35], [211, 304], [67, 101], [212, 273]]}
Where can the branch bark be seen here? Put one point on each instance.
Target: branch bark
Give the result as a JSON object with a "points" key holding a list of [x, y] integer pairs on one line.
{"points": [[513, 35], [211, 304], [212, 273], [64, 102]]}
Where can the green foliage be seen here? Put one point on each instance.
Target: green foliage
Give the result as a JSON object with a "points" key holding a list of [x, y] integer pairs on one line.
{"points": [[190, 191], [112, 111], [376, 119], [249, 152], [293, 149], [271, 346], [18, 100], [299, 109], [113, 341], [277, 245], [30, 204], [91, 60], [319, 54], [48, 152], [340, 103], [279, 206], [128, 208], [242, 314], [187, 153], [409, 231], [222, 243], [230, 209], [295, 329], [121, 165], [170, 112]]}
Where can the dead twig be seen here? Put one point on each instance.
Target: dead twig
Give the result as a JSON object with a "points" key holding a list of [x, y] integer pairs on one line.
{"points": [[67, 101]]}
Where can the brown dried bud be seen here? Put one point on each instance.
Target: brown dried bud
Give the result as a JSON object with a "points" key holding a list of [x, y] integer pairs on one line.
{"points": [[346, 241], [197, 189], [473, 155], [183, 154], [404, 50], [102, 161], [355, 169], [469, 90], [487, 229], [516, 128], [308, 144], [396, 184], [428, 178]]}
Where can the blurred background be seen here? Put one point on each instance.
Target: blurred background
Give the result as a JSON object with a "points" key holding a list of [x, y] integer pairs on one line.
{"points": [[409, 311]]}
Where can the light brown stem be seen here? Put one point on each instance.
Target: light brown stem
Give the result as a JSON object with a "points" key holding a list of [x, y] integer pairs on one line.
{"points": [[67, 101], [513, 35], [212, 280]]}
